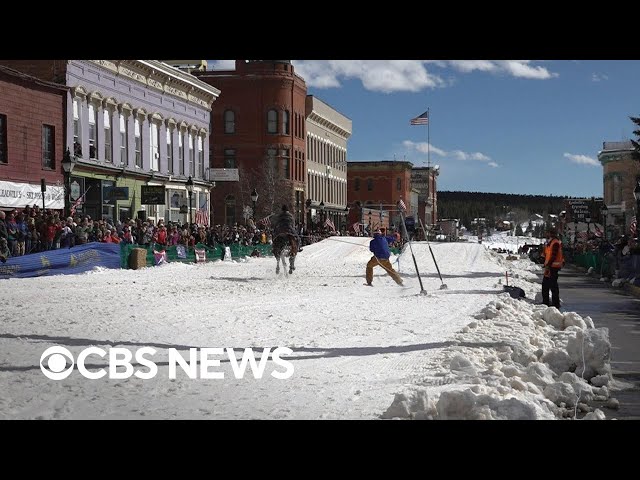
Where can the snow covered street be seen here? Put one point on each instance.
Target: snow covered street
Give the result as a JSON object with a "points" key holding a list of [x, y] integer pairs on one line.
{"points": [[469, 351]]}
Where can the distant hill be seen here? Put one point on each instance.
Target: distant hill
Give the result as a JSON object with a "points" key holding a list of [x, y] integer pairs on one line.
{"points": [[469, 205]]}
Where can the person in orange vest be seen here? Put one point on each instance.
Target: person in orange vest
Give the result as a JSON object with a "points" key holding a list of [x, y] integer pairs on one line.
{"points": [[553, 262]]}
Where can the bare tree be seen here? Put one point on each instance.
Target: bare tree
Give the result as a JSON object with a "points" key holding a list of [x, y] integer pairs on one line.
{"points": [[273, 189]]}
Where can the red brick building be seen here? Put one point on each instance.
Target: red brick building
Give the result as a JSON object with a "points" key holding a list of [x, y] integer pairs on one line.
{"points": [[258, 128], [621, 174], [32, 119], [378, 185]]}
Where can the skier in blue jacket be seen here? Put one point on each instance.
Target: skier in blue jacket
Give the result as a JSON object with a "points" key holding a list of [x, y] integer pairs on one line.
{"points": [[380, 248]]}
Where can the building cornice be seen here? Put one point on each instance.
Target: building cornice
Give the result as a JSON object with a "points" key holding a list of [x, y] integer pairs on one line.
{"points": [[615, 156], [164, 78], [324, 122]]}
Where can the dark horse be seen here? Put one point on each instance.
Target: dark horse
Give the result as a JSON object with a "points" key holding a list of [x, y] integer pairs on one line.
{"points": [[285, 245]]}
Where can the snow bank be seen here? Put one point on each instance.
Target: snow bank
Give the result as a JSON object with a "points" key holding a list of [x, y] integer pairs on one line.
{"points": [[516, 361]]}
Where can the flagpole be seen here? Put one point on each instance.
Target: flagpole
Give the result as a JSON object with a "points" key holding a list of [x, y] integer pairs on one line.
{"points": [[428, 140]]}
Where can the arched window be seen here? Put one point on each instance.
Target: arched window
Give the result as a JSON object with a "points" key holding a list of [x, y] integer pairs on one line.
{"points": [[272, 121], [285, 122], [356, 185], [398, 183], [229, 121], [369, 184]]}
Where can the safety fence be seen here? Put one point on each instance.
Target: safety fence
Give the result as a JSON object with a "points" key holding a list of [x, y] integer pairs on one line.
{"points": [[178, 253], [608, 264]]}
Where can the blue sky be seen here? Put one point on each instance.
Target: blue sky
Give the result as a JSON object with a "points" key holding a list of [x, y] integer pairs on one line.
{"points": [[528, 127]]}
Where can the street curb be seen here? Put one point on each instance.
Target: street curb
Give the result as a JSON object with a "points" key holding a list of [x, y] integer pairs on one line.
{"points": [[632, 289]]}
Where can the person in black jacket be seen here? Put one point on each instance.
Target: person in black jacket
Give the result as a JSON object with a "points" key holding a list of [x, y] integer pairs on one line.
{"points": [[285, 224]]}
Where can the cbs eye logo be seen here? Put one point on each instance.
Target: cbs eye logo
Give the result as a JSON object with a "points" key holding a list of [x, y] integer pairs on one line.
{"points": [[56, 363]]}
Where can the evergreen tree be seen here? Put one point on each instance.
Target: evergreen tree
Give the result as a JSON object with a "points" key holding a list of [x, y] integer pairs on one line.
{"points": [[636, 144], [519, 232]]}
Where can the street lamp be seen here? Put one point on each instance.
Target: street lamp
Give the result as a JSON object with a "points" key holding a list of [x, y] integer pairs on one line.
{"points": [[322, 212], [603, 210], [254, 199], [67, 166], [588, 220], [346, 217], [189, 187]]}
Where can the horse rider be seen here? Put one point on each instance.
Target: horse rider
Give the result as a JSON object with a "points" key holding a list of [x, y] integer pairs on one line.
{"points": [[285, 224]]}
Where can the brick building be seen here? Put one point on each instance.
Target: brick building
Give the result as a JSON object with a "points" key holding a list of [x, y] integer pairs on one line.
{"points": [[258, 128], [379, 185], [31, 140], [424, 179], [129, 124], [620, 176]]}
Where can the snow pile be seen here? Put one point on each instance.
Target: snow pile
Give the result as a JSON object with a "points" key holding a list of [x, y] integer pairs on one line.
{"points": [[519, 361]]}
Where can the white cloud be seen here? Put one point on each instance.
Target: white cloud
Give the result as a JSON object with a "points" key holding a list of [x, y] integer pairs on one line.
{"points": [[221, 64], [376, 75], [424, 147], [471, 65], [598, 77], [582, 159], [516, 68], [398, 75]]}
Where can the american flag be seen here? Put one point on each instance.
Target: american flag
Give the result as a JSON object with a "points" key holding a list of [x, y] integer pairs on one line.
{"points": [[202, 216], [329, 223], [356, 228], [421, 119], [266, 222], [78, 202], [634, 226], [401, 205]]}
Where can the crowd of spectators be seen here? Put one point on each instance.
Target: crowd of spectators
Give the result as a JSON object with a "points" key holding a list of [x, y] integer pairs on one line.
{"points": [[33, 230]]}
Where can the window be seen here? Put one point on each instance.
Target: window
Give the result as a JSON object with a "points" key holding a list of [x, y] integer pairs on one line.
{"points": [[77, 130], [369, 184], [229, 158], [3, 139], [271, 159], [107, 136], [181, 152], [398, 183], [200, 156], [272, 121], [138, 147], [48, 147], [124, 140], [356, 184], [285, 122], [286, 160], [93, 132], [617, 189], [170, 149], [229, 121], [154, 146], [192, 155]]}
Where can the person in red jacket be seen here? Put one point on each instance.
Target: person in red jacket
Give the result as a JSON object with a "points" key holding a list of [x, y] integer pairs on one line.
{"points": [[553, 262]]}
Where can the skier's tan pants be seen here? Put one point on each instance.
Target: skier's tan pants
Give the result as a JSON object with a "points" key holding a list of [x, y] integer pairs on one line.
{"points": [[384, 263]]}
